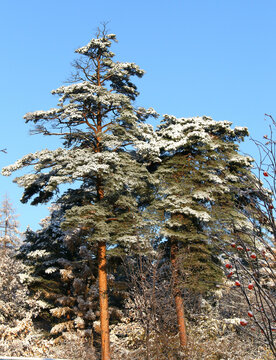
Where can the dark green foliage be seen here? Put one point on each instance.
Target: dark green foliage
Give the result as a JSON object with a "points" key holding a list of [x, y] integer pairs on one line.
{"points": [[63, 273], [199, 202], [199, 267]]}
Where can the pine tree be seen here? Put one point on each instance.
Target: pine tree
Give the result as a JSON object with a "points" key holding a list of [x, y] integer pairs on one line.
{"points": [[99, 125], [9, 232], [200, 177], [14, 297], [61, 275]]}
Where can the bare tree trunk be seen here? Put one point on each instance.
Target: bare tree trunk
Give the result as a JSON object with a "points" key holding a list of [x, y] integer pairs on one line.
{"points": [[103, 295], [178, 297], [104, 315]]}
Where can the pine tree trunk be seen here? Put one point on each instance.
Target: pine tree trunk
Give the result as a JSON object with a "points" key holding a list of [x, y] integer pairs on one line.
{"points": [[104, 316], [178, 297], [102, 267]]}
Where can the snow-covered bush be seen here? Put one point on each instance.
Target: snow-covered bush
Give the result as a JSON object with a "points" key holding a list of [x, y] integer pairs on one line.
{"points": [[15, 301]]}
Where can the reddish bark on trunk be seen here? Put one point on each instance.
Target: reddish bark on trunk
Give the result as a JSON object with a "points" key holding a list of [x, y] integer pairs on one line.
{"points": [[104, 315], [177, 297]]}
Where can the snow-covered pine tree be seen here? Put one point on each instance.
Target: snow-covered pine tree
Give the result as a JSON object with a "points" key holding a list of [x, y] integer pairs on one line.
{"points": [[99, 125], [63, 271], [61, 275], [9, 226], [15, 303], [200, 177]]}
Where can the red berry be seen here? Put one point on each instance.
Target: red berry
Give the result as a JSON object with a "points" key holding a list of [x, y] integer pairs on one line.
{"points": [[265, 173], [250, 313], [253, 256], [271, 207], [239, 247], [243, 322], [233, 245], [250, 286], [237, 283], [230, 274], [247, 249], [228, 266]]}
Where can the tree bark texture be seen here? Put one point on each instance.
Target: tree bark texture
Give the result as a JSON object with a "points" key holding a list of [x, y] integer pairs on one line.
{"points": [[104, 315], [179, 305]]}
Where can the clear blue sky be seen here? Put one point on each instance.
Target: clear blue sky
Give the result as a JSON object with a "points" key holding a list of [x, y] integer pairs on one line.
{"points": [[202, 57]]}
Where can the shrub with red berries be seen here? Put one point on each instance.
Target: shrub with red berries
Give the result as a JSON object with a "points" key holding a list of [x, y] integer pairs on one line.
{"points": [[255, 269]]}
